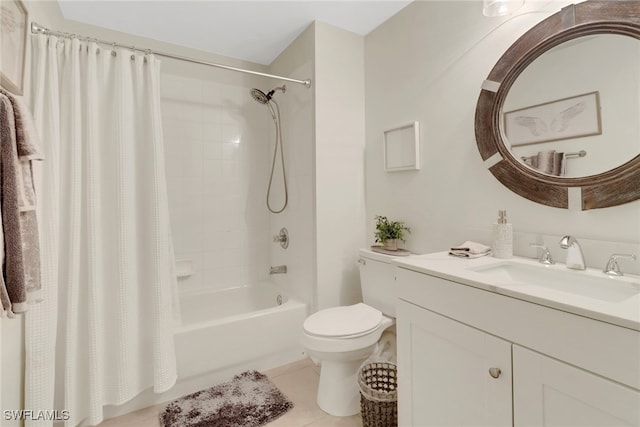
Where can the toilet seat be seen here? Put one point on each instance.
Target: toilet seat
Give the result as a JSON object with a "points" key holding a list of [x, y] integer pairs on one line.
{"points": [[346, 346], [343, 322]]}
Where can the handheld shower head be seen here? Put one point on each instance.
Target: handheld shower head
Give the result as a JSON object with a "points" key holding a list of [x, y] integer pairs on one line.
{"points": [[264, 98], [260, 96]]}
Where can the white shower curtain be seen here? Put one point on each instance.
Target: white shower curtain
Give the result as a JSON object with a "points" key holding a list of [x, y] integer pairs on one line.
{"points": [[106, 245]]}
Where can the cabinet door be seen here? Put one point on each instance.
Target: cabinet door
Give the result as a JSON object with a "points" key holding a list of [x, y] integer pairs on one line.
{"points": [[443, 372], [547, 392]]}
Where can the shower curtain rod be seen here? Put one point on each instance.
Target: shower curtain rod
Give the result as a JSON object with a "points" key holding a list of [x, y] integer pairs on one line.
{"points": [[39, 29]]}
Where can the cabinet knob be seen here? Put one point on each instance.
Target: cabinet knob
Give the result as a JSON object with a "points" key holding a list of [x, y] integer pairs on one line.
{"points": [[495, 372]]}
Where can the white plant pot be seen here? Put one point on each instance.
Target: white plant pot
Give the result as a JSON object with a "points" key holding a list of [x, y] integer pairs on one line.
{"points": [[391, 244]]}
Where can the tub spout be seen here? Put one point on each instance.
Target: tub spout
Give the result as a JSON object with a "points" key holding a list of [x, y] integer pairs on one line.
{"points": [[278, 269]]}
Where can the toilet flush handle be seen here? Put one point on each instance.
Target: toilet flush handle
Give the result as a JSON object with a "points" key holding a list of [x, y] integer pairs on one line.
{"points": [[362, 261]]}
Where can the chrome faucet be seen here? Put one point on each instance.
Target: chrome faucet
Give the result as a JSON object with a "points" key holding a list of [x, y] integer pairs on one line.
{"points": [[278, 269], [546, 257], [612, 268], [575, 258]]}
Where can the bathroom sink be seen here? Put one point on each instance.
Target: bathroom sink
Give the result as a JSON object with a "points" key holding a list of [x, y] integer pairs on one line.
{"points": [[589, 283]]}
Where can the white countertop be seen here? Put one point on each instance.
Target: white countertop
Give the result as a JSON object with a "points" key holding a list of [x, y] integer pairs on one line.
{"points": [[625, 313]]}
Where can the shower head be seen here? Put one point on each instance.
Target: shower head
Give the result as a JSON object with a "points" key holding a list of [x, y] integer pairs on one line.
{"points": [[263, 98], [260, 96]]}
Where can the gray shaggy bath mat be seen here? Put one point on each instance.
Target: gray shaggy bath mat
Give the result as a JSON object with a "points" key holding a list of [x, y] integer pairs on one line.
{"points": [[248, 400]]}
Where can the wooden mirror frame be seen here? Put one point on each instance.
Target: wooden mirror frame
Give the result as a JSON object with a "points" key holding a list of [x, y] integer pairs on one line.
{"points": [[614, 187]]}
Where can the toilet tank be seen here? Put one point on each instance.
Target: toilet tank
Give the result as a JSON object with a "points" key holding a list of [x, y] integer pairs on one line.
{"points": [[378, 281]]}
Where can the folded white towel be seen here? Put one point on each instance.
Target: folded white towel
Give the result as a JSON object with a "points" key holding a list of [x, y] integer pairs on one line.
{"points": [[470, 249]]}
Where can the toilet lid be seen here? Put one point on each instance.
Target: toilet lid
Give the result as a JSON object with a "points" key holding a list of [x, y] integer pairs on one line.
{"points": [[343, 321]]}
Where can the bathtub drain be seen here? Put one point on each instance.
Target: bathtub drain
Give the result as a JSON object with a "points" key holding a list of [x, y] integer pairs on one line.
{"points": [[279, 299]]}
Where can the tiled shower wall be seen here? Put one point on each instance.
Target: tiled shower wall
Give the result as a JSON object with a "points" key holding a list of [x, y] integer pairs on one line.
{"points": [[216, 162]]}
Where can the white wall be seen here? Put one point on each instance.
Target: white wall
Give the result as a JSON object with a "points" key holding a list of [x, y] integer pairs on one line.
{"points": [[427, 63], [297, 110], [340, 210], [324, 144]]}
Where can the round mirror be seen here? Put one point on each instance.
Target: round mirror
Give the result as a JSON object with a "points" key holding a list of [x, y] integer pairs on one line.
{"points": [[558, 118]]}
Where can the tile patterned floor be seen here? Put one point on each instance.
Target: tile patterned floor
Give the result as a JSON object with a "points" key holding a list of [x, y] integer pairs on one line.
{"points": [[298, 381]]}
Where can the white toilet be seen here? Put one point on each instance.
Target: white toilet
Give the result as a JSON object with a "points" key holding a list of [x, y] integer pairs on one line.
{"points": [[341, 338]]}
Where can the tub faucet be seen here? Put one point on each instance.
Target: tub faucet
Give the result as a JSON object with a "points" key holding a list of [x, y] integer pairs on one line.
{"points": [[575, 258], [278, 269]]}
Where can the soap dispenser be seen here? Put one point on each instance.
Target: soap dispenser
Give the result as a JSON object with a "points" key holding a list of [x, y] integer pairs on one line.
{"points": [[502, 237]]}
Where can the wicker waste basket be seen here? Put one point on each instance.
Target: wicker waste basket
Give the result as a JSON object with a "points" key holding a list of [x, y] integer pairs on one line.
{"points": [[378, 383]]}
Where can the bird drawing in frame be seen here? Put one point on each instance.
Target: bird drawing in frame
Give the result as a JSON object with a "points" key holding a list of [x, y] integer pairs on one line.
{"points": [[560, 122]]}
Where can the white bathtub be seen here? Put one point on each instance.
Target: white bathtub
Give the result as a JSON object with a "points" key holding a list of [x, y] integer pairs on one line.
{"points": [[221, 329], [225, 332]]}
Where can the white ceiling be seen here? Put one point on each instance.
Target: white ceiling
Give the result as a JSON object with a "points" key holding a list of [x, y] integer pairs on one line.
{"points": [[255, 31]]}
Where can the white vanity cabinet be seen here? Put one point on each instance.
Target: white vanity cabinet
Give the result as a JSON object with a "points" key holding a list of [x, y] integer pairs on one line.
{"points": [[551, 393], [444, 371], [471, 357]]}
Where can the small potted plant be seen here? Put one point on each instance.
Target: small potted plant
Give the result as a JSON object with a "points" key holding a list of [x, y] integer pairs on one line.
{"points": [[389, 232]]}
